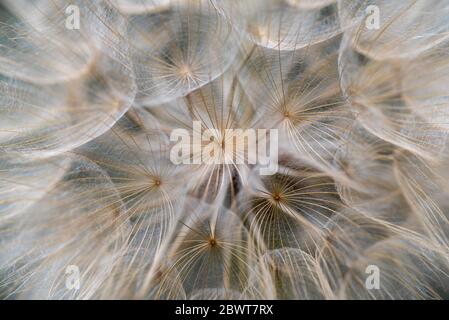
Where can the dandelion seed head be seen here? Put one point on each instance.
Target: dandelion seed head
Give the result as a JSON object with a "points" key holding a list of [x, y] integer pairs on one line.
{"points": [[346, 99]]}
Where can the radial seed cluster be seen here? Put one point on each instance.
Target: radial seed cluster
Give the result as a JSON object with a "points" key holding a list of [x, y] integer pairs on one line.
{"points": [[92, 205]]}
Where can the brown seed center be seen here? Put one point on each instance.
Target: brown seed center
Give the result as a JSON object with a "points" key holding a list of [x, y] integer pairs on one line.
{"points": [[212, 242]]}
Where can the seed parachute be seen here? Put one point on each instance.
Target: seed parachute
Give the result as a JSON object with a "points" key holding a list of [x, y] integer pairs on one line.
{"points": [[224, 149]]}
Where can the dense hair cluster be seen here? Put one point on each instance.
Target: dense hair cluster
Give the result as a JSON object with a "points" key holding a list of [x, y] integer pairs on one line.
{"points": [[87, 180]]}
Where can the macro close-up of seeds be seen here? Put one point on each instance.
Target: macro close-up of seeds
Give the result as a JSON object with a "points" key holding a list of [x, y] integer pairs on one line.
{"points": [[224, 149]]}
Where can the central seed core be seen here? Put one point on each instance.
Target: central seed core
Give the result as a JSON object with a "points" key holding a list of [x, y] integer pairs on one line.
{"points": [[212, 242], [185, 71]]}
